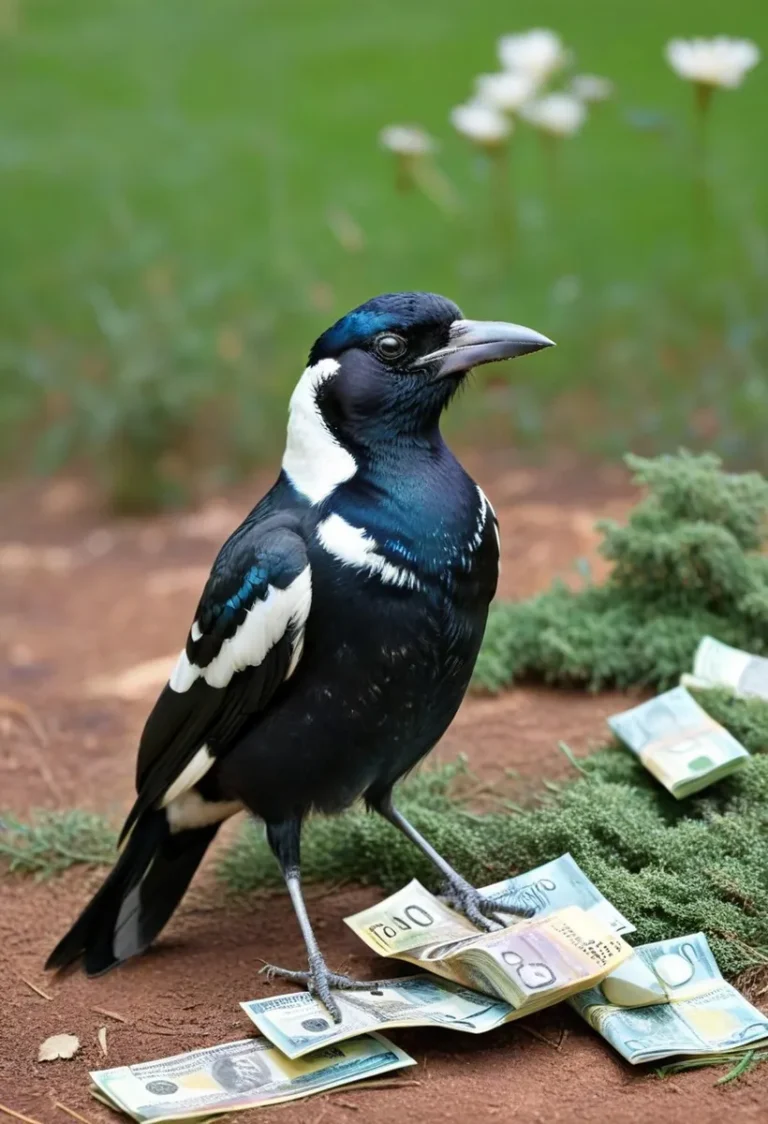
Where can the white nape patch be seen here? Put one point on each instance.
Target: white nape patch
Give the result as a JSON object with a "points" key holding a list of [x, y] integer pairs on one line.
{"points": [[314, 461], [195, 632], [263, 626], [355, 547], [485, 507], [190, 810], [192, 772]]}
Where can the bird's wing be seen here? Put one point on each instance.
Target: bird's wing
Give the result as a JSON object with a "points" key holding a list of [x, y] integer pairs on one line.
{"points": [[246, 639]]}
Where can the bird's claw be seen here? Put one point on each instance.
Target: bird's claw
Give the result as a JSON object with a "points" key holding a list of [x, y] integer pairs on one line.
{"points": [[319, 981], [481, 911]]}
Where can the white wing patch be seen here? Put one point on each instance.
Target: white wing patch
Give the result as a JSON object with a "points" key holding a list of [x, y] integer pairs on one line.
{"points": [[355, 547], [191, 810], [263, 626], [314, 461], [192, 772]]}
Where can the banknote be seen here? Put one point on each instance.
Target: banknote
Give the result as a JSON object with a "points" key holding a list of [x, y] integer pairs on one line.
{"points": [[554, 885], [530, 964], [719, 665], [298, 1023], [678, 742], [685, 1007], [239, 1075]]}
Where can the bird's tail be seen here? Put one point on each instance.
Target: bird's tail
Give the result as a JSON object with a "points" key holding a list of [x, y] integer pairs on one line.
{"points": [[138, 897]]}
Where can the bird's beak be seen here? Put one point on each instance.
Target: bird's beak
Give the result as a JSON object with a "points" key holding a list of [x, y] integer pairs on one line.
{"points": [[472, 342]]}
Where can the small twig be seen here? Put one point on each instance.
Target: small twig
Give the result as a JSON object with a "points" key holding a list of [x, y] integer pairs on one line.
{"points": [[349, 1105], [18, 1115], [39, 990], [110, 1014], [562, 1038], [101, 1038], [20, 710], [71, 1112], [535, 1034]]}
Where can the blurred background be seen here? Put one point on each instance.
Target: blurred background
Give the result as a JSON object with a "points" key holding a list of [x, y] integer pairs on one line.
{"points": [[190, 192]]}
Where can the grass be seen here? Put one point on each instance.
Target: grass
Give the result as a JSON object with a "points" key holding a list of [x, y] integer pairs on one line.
{"points": [[52, 842], [189, 198], [688, 562], [740, 1062]]}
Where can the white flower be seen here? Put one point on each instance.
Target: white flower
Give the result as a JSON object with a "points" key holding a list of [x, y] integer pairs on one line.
{"points": [[507, 90], [481, 123], [712, 62], [406, 140], [538, 53], [591, 87], [560, 115]]}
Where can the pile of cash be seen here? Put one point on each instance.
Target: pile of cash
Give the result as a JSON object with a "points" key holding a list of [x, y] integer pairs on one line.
{"points": [[678, 742], [718, 665], [651, 1002], [670, 998]]}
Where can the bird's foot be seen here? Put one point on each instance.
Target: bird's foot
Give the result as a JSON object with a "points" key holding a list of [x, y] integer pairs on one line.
{"points": [[464, 898], [319, 981]]}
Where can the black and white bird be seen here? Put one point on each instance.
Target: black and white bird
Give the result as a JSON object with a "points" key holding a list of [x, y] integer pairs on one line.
{"points": [[336, 635]]}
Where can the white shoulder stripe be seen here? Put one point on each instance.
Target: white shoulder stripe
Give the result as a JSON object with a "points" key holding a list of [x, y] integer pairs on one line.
{"points": [[263, 626], [355, 547]]}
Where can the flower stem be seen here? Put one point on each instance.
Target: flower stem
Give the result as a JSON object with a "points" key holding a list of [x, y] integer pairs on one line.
{"points": [[501, 189], [702, 186]]}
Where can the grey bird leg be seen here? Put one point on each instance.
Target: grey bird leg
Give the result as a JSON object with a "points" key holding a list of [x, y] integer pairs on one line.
{"points": [[284, 839], [458, 892]]}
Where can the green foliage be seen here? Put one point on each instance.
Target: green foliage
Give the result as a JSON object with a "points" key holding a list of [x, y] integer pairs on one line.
{"points": [[671, 867], [739, 1062], [686, 564], [141, 137], [55, 841]]}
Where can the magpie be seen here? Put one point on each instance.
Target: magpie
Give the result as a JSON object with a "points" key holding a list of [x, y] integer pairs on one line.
{"points": [[336, 635]]}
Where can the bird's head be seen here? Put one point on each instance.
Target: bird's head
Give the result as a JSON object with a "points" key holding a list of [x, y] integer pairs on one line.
{"points": [[385, 372]]}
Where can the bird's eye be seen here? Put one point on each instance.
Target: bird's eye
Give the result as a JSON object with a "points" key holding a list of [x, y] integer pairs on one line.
{"points": [[390, 346]]}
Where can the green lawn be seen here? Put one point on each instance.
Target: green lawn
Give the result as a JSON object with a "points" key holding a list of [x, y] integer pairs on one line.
{"points": [[175, 176]]}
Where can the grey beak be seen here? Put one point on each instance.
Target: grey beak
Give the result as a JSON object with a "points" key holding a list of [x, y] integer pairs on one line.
{"points": [[472, 342]]}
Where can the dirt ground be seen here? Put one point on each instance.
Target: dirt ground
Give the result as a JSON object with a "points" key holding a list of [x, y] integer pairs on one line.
{"points": [[91, 614]]}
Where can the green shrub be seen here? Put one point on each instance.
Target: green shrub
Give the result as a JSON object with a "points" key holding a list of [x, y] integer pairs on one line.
{"points": [[687, 563]]}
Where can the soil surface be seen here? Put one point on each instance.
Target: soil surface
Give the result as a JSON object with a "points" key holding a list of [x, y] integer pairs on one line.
{"points": [[92, 612]]}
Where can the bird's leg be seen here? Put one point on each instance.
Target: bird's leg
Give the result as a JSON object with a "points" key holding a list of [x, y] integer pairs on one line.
{"points": [[457, 891], [284, 839]]}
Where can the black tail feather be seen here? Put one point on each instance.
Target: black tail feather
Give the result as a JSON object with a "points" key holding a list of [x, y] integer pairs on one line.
{"points": [[138, 897]]}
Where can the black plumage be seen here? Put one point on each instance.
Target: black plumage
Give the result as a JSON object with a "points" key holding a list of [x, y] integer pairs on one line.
{"points": [[337, 633]]}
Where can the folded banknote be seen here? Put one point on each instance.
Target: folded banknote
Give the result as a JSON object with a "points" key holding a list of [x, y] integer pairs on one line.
{"points": [[678, 742], [530, 964], [299, 1023], [719, 665], [240, 1075], [668, 999]]}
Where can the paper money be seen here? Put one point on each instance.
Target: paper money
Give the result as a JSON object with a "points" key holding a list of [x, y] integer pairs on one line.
{"points": [[298, 1023], [554, 885], [530, 964], [239, 1075], [678, 742], [695, 1012], [719, 665]]}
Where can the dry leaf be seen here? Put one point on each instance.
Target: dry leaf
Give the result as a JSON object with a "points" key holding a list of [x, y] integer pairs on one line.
{"points": [[102, 1036], [58, 1046]]}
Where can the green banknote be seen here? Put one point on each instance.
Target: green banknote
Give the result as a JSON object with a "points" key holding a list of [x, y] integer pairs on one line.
{"points": [[719, 665], [668, 999], [553, 886], [239, 1075], [530, 964], [298, 1023], [678, 742]]}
